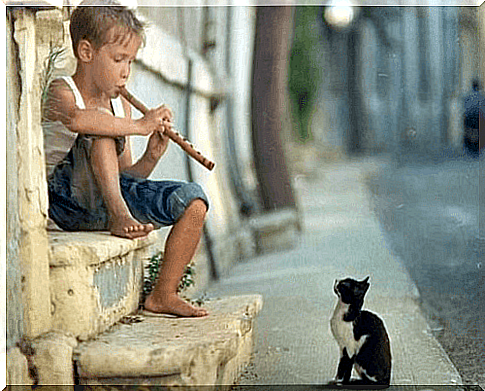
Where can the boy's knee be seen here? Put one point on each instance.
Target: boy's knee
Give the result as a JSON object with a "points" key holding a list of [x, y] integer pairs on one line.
{"points": [[198, 207], [197, 210], [189, 199], [194, 192]]}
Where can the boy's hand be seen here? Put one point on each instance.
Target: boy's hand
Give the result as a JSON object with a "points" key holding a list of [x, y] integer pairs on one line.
{"points": [[158, 142], [157, 145], [155, 120]]}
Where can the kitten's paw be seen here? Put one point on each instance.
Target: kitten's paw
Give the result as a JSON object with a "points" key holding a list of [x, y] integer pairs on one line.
{"points": [[336, 382]]}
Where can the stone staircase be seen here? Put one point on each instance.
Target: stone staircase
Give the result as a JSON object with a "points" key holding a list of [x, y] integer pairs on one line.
{"points": [[209, 351], [96, 281]]}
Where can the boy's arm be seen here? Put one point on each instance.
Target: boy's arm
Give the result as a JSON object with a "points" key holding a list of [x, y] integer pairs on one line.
{"points": [[60, 105], [157, 145]]}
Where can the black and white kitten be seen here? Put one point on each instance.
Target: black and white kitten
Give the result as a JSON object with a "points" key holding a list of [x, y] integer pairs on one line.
{"points": [[361, 336]]}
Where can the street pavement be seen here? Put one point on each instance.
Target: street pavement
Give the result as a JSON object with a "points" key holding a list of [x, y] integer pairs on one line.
{"points": [[429, 211], [341, 237]]}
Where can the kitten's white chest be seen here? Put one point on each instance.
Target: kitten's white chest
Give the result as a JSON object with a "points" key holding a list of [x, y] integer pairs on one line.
{"points": [[343, 331]]}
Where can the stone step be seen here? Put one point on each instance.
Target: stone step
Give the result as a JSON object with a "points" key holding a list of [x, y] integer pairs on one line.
{"points": [[275, 230], [95, 279], [171, 351]]}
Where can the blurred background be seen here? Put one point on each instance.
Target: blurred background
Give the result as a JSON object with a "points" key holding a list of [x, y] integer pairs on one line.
{"points": [[298, 88], [272, 95], [302, 87]]}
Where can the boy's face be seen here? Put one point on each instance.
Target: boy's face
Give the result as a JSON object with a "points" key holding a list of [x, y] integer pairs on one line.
{"points": [[112, 63]]}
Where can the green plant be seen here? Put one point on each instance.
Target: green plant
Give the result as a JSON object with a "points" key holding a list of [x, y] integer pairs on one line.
{"points": [[305, 70], [151, 275], [56, 53], [187, 278]]}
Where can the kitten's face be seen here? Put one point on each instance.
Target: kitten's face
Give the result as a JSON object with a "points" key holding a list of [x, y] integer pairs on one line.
{"points": [[351, 291]]}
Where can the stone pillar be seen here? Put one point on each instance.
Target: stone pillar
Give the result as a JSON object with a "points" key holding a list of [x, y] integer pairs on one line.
{"points": [[17, 370], [394, 112], [451, 68], [329, 119], [436, 127], [410, 76], [242, 36], [53, 359], [370, 64], [32, 193], [14, 272], [240, 32], [270, 105]]}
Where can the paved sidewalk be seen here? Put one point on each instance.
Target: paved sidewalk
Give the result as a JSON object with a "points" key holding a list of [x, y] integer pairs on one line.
{"points": [[341, 238]]}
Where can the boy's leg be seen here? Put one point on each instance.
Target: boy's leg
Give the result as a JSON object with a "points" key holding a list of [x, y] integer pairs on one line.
{"points": [[179, 250], [104, 162]]}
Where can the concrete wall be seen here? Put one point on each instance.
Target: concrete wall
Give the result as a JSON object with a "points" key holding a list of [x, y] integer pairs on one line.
{"points": [[195, 86], [221, 38]]}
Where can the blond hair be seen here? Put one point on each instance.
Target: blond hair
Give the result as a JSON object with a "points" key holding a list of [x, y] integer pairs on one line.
{"points": [[93, 19]]}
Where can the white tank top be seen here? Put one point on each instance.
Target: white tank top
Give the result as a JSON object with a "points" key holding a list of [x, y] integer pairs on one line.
{"points": [[58, 139]]}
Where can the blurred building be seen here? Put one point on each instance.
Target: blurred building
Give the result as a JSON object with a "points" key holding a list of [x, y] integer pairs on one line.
{"points": [[393, 79]]}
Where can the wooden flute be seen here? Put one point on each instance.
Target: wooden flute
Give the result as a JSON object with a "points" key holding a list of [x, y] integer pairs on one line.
{"points": [[176, 137]]}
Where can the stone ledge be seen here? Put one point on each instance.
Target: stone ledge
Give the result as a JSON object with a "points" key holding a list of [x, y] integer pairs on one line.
{"points": [[275, 231], [95, 279], [274, 220], [91, 248], [174, 351]]}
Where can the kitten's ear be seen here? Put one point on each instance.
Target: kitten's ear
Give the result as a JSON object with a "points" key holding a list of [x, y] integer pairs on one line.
{"points": [[365, 284]]}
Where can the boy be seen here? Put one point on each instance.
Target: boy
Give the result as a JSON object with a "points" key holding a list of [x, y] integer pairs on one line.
{"points": [[93, 183]]}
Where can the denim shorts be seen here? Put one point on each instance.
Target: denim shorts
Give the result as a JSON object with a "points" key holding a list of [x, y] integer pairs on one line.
{"points": [[161, 203]]}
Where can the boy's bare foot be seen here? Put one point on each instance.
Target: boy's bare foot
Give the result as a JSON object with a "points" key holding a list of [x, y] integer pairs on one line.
{"points": [[129, 228], [172, 304]]}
